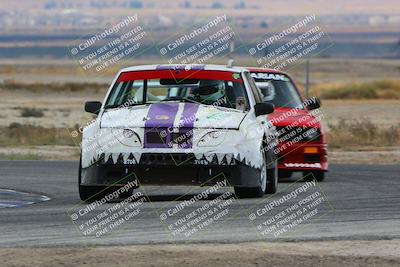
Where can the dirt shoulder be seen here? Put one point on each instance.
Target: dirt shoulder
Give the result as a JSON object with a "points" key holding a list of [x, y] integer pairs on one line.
{"points": [[327, 253], [378, 156]]}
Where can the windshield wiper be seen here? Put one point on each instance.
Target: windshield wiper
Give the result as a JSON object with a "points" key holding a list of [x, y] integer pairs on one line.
{"points": [[124, 105], [183, 99]]}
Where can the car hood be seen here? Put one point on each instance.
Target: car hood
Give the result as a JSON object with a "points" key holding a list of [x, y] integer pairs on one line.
{"points": [[289, 116], [172, 114]]}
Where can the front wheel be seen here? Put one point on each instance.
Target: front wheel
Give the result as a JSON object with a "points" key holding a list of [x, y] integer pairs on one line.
{"points": [[255, 192], [89, 193], [272, 180], [248, 192]]}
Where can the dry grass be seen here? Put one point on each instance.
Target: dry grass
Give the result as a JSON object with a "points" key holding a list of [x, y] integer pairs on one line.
{"points": [[24, 135], [54, 87], [362, 132], [32, 112], [380, 89]]}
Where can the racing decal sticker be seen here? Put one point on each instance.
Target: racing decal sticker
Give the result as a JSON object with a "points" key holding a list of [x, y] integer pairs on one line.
{"points": [[269, 76], [161, 115], [180, 67]]}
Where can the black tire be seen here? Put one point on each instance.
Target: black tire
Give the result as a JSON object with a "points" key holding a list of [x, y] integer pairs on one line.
{"points": [[92, 193], [272, 180], [127, 194], [248, 192], [87, 193], [284, 174], [309, 176], [272, 172], [252, 192]]}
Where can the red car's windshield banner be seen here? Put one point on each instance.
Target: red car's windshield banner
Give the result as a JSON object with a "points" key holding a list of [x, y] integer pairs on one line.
{"points": [[180, 75]]}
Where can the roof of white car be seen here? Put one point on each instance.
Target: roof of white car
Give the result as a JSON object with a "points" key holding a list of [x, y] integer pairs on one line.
{"points": [[184, 66]]}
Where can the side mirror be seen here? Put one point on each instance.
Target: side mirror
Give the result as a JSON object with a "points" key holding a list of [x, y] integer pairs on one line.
{"points": [[93, 107], [263, 108], [312, 103]]}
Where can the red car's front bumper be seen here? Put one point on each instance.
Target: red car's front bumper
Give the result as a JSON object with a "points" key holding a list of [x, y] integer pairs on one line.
{"points": [[303, 157]]}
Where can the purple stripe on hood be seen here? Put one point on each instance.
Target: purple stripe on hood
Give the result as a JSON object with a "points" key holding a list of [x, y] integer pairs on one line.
{"points": [[161, 117], [188, 115], [160, 123], [186, 124]]}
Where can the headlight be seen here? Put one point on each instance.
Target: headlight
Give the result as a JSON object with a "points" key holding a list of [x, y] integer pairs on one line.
{"points": [[127, 137], [213, 138]]}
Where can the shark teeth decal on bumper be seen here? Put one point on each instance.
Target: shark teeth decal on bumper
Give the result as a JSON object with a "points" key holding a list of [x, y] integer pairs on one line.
{"points": [[165, 159]]}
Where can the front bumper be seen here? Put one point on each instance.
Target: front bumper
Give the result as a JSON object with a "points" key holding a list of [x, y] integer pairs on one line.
{"points": [[303, 157], [171, 169]]}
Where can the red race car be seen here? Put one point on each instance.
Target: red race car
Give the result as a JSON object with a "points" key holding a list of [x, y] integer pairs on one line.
{"points": [[301, 138]]}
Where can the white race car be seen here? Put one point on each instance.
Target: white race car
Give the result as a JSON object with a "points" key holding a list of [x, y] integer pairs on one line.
{"points": [[186, 124]]}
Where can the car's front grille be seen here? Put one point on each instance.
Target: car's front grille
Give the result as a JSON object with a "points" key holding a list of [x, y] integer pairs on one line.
{"points": [[166, 158], [166, 138], [155, 138]]}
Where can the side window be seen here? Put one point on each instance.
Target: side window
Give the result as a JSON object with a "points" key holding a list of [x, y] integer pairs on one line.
{"points": [[254, 88], [134, 93], [115, 92], [126, 91]]}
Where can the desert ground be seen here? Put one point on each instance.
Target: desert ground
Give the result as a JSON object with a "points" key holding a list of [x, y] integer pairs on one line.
{"points": [[333, 254]]}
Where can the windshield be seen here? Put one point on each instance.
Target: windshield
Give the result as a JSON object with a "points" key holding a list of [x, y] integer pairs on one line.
{"points": [[225, 91], [278, 89]]}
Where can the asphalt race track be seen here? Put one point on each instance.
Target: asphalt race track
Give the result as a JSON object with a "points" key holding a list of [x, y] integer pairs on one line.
{"points": [[359, 202]]}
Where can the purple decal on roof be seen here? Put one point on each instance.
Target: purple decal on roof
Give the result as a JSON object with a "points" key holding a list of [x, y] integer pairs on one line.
{"points": [[180, 67]]}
